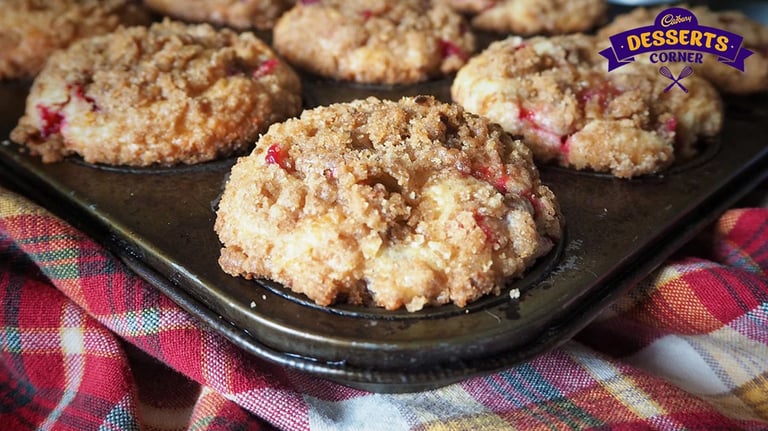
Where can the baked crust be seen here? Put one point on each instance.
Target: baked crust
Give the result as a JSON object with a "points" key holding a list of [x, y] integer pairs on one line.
{"points": [[171, 93], [397, 204], [557, 94], [532, 17], [374, 41], [30, 30], [240, 14]]}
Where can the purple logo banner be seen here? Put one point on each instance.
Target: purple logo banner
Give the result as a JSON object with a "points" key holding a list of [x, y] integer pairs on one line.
{"points": [[676, 29]]}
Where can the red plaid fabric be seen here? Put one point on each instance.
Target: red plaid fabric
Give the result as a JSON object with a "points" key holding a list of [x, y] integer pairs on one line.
{"points": [[86, 344]]}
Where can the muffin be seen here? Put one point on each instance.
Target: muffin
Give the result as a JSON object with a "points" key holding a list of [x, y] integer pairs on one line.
{"points": [[31, 30], [240, 14], [557, 95], [168, 94], [394, 204], [374, 41]]}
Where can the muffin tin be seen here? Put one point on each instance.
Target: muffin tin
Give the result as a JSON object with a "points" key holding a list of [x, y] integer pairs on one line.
{"points": [[160, 222]]}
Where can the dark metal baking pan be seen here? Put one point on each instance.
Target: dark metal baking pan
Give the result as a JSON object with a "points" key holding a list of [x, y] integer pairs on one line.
{"points": [[160, 222]]}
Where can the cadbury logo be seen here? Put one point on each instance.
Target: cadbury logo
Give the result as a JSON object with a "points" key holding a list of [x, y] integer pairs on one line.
{"points": [[669, 20], [676, 36]]}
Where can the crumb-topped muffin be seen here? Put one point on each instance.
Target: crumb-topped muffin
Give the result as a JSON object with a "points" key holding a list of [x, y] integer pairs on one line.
{"points": [[397, 204], [30, 30], [241, 14], [530, 17], [557, 94], [728, 79], [168, 94], [374, 41]]}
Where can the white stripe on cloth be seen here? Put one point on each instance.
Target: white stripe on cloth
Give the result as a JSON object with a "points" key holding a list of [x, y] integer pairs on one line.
{"points": [[709, 364], [389, 412], [73, 347]]}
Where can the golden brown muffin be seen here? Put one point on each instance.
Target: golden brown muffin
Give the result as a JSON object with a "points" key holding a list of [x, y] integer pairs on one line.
{"points": [[30, 30], [171, 93], [374, 41], [557, 94], [400, 204], [241, 14], [530, 17]]}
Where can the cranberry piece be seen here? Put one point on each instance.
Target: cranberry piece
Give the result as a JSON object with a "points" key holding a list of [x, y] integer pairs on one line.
{"points": [[565, 148], [498, 181], [482, 223], [277, 155], [671, 125], [527, 115], [543, 133], [533, 199], [52, 120], [265, 68], [603, 93], [450, 49], [79, 92]]}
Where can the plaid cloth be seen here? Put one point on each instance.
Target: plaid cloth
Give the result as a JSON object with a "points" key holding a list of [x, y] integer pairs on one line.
{"points": [[86, 344]]}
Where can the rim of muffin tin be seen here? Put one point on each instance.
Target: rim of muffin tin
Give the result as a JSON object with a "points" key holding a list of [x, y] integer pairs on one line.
{"points": [[212, 165]]}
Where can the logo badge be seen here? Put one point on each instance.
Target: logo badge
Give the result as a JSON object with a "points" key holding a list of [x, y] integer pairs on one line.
{"points": [[676, 37]]}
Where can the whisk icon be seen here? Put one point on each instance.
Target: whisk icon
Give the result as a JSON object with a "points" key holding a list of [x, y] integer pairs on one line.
{"points": [[686, 72]]}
